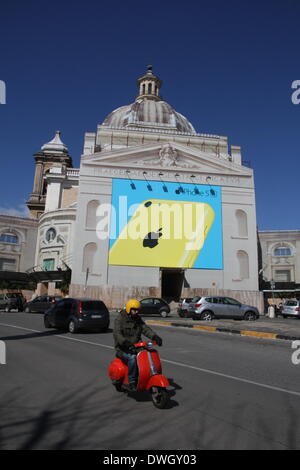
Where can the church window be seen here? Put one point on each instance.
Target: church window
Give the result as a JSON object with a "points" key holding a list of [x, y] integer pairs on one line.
{"points": [[8, 264], [9, 238], [150, 88], [144, 89], [89, 255], [243, 263], [91, 214], [282, 275], [50, 234], [242, 223], [48, 264], [282, 251]]}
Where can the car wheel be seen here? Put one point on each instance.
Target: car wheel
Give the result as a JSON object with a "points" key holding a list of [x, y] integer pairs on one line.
{"points": [[46, 322], [164, 313], [73, 328], [103, 329], [250, 316], [207, 315]]}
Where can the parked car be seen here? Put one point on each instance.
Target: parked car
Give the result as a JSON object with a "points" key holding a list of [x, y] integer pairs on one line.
{"points": [[209, 307], [183, 305], [78, 314], [41, 303], [153, 305], [12, 301], [291, 308]]}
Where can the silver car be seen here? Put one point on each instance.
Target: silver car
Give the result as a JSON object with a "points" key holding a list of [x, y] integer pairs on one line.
{"points": [[209, 307], [183, 306], [291, 308]]}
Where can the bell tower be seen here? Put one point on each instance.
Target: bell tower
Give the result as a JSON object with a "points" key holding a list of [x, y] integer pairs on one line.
{"points": [[54, 153]]}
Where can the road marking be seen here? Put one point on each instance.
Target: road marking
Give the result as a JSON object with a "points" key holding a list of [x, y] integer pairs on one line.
{"points": [[180, 364], [232, 377]]}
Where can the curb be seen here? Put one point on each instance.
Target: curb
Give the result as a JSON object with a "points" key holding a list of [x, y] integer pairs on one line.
{"points": [[255, 334]]}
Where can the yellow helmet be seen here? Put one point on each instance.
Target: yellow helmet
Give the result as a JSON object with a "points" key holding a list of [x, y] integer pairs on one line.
{"points": [[132, 303]]}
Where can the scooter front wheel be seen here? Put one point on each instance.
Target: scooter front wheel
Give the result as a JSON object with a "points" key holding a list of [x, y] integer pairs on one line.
{"points": [[160, 397], [118, 386]]}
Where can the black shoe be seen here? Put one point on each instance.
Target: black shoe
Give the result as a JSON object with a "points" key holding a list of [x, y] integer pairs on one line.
{"points": [[129, 387]]}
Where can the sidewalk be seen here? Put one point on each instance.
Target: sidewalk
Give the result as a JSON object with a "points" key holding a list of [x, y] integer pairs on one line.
{"points": [[264, 327]]}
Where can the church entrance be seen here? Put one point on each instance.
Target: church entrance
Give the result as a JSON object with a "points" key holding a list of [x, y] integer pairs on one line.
{"points": [[171, 284]]}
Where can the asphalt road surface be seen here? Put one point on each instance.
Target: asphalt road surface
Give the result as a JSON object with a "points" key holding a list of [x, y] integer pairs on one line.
{"points": [[227, 392]]}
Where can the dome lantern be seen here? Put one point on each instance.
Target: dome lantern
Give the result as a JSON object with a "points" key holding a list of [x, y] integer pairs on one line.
{"points": [[149, 86], [149, 111]]}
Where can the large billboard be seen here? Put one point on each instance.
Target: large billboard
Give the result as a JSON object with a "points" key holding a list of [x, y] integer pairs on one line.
{"points": [[171, 225]]}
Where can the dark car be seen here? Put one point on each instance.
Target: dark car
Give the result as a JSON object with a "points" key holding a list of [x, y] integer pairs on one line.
{"points": [[153, 305], [78, 314], [12, 301], [41, 303]]}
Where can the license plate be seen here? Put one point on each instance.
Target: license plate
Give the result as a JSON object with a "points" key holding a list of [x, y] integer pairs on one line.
{"points": [[96, 316]]}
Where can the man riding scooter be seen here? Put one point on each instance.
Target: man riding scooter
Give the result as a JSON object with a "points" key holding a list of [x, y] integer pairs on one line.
{"points": [[128, 328]]}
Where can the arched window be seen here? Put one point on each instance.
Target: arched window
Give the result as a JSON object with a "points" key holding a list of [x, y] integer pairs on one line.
{"points": [[89, 257], [242, 223], [282, 251], [144, 89], [243, 263], [91, 214], [150, 88], [9, 238]]}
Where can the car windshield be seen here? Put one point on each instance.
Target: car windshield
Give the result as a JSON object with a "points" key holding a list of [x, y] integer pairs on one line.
{"points": [[92, 306], [291, 303]]}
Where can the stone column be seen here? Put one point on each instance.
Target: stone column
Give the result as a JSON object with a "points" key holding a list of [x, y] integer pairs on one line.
{"points": [[38, 178]]}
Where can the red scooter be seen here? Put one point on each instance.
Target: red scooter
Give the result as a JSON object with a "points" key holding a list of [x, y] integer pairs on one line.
{"points": [[149, 374]]}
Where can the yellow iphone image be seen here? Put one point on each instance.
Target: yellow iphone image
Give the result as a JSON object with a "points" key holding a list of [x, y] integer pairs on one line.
{"points": [[163, 233]]}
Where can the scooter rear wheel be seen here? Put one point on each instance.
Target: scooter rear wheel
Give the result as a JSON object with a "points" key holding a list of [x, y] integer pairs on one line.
{"points": [[118, 386], [160, 397]]}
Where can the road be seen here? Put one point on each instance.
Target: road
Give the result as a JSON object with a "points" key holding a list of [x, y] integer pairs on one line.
{"points": [[227, 392]]}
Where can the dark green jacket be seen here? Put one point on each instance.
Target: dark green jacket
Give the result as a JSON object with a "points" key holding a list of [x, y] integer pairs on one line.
{"points": [[130, 329]]}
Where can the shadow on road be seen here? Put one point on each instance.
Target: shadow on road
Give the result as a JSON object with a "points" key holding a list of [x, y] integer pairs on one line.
{"points": [[33, 335]]}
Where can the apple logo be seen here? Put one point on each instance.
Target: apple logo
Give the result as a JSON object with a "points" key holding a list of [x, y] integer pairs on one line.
{"points": [[151, 239]]}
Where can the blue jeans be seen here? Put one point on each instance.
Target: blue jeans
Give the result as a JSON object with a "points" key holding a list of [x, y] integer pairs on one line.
{"points": [[130, 360]]}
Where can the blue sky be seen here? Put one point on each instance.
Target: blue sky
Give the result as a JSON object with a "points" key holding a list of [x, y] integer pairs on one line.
{"points": [[227, 66]]}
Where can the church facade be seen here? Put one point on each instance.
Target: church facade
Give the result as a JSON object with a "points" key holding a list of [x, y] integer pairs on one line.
{"points": [[156, 209]]}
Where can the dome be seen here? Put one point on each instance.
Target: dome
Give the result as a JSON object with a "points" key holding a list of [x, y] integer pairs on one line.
{"points": [[149, 110], [147, 113], [55, 145]]}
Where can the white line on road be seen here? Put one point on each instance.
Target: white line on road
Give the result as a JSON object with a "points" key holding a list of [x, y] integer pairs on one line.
{"points": [[180, 364]]}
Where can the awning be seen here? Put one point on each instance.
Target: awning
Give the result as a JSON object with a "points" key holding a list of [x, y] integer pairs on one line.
{"points": [[36, 276], [50, 276]]}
